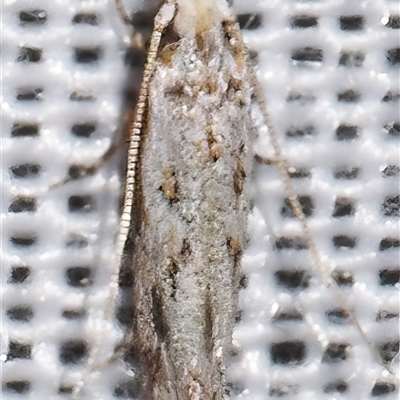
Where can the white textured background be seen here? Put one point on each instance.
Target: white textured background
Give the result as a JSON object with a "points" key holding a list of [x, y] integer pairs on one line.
{"points": [[50, 317]]}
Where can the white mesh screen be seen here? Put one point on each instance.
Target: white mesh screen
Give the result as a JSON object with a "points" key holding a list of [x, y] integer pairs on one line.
{"points": [[330, 73]]}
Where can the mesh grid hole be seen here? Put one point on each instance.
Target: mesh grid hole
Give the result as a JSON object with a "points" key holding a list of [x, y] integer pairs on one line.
{"points": [[391, 96], [389, 277], [346, 173], [392, 129], [86, 19], [306, 204], [299, 173], [29, 54], [307, 54], [21, 129], [349, 96], [125, 316], [19, 274], [304, 21], [250, 21], [24, 240], [292, 315], [391, 206], [343, 278], [243, 282], [293, 132], [135, 57], [20, 313], [282, 390], [339, 386], [344, 242], [352, 59], [335, 352], [25, 171], [291, 243], [83, 130], [81, 204], [338, 316], [87, 55], [346, 132], [254, 57], [390, 170], [19, 387], [65, 389], [32, 17], [74, 314], [381, 388], [73, 351], [293, 279], [79, 276], [127, 390], [351, 23], [386, 315], [343, 207], [77, 241], [28, 94], [293, 352], [389, 243], [302, 98], [80, 171], [393, 22], [393, 56], [79, 95], [19, 350], [23, 204], [389, 351]]}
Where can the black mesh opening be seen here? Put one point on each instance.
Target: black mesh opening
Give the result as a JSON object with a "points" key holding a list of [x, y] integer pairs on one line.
{"points": [[23, 204], [304, 21], [81, 204], [346, 132], [19, 274], [29, 54], [308, 54], [381, 388], [32, 17], [88, 55], [19, 350], [73, 352], [86, 19], [293, 243], [285, 353], [17, 386], [391, 206], [351, 23], [83, 130], [335, 352], [389, 277], [24, 130], [250, 22], [79, 276], [21, 313], [352, 59], [344, 242]]}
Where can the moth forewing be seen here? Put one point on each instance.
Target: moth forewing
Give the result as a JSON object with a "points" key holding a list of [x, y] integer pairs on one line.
{"points": [[192, 204]]}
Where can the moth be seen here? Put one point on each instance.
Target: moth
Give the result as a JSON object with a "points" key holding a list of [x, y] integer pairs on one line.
{"points": [[184, 220]]}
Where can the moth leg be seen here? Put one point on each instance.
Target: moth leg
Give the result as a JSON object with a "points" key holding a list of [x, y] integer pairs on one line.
{"points": [[281, 162], [77, 171]]}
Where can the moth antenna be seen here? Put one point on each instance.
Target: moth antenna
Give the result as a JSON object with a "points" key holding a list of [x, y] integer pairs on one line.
{"points": [[162, 20]]}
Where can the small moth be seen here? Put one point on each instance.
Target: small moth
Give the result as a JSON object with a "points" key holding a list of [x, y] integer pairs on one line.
{"points": [[184, 220]]}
